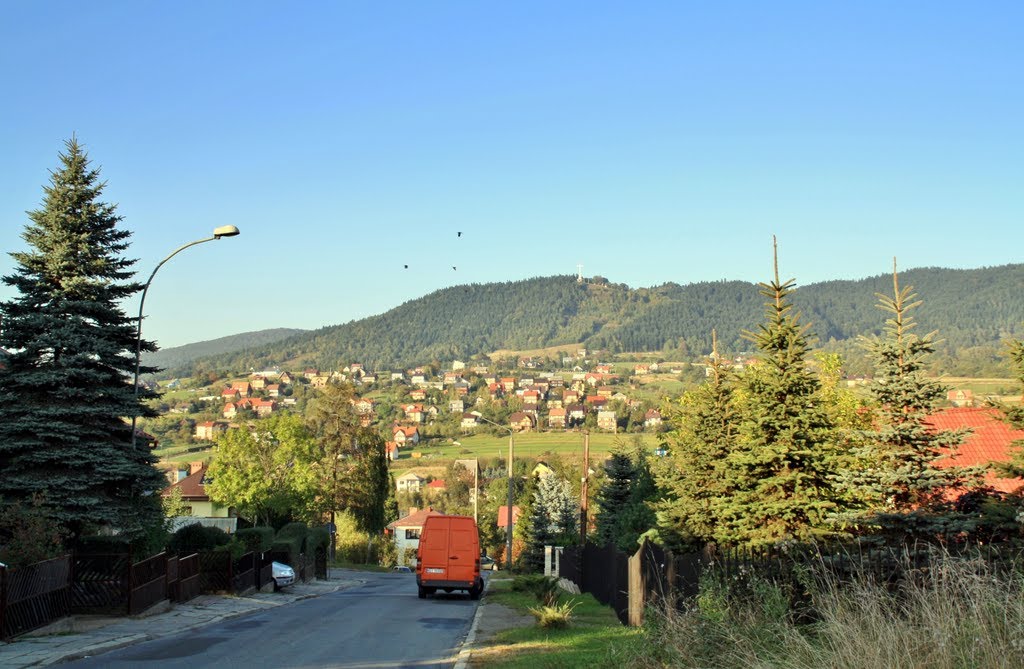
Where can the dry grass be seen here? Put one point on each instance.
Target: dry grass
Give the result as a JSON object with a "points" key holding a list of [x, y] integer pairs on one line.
{"points": [[960, 615]]}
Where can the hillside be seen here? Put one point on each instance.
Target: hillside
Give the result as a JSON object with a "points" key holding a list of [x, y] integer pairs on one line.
{"points": [[972, 310], [179, 356]]}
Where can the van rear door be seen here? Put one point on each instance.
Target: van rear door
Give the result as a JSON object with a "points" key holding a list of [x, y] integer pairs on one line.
{"points": [[463, 550]]}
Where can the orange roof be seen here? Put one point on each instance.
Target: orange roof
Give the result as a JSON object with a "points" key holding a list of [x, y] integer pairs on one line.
{"points": [[503, 515], [437, 484], [989, 441], [414, 519]]}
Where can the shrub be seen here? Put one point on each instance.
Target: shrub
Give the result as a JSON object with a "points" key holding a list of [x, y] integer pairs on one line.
{"points": [[28, 535], [318, 538], [196, 537], [544, 588], [234, 546], [294, 531], [555, 616], [256, 539]]}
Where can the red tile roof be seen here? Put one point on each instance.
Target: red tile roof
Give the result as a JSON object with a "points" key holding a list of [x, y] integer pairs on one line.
{"points": [[436, 484], [414, 519], [989, 441]]}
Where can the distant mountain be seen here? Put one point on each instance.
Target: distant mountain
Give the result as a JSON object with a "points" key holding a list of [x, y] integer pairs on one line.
{"points": [[972, 310], [180, 356]]}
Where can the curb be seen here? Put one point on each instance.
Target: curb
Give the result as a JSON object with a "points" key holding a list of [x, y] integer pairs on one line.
{"points": [[466, 651]]}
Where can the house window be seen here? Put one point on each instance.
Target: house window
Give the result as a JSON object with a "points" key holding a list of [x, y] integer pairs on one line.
{"points": [[412, 534]]}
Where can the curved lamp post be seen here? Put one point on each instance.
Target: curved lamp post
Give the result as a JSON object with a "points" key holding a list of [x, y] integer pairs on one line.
{"points": [[222, 231], [508, 508]]}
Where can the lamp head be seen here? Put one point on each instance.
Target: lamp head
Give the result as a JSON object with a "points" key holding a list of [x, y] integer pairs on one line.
{"points": [[225, 231]]}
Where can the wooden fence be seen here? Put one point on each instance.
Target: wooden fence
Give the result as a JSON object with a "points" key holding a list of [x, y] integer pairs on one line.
{"points": [[34, 596], [654, 576]]}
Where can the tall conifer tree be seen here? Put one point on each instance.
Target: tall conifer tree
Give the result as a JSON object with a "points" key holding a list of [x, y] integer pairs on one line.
{"points": [[785, 461], [1013, 414], [901, 477], [67, 389], [692, 477]]}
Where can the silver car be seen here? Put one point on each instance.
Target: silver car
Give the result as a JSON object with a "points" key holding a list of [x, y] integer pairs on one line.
{"points": [[282, 574]]}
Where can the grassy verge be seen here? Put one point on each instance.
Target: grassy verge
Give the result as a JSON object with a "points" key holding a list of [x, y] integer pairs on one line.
{"points": [[594, 638], [959, 614]]}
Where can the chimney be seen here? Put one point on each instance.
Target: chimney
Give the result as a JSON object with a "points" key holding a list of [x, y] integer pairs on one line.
{"points": [[193, 467]]}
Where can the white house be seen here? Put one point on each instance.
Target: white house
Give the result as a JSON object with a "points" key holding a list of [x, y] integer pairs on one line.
{"points": [[409, 482], [406, 532]]}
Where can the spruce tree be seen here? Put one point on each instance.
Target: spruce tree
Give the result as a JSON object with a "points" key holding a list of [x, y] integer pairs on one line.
{"points": [[691, 476], [613, 497], [553, 520], [1013, 414], [624, 511], [901, 479], [784, 461], [66, 391]]}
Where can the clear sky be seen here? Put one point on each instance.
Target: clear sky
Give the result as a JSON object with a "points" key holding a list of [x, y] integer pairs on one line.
{"points": [[651, 142]]}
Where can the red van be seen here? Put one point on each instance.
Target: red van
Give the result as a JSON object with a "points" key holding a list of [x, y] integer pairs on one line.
{"points": [[448, 557]]}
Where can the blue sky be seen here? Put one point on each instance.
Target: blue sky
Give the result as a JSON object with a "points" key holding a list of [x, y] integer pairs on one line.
{"points": [[651, 142]]}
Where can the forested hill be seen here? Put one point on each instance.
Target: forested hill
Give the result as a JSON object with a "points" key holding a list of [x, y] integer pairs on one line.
{"points": [[972, 310], [183, 355]]}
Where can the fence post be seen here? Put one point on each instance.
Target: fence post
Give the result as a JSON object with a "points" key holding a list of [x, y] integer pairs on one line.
{"points": [[636, 587], [3, 598]]}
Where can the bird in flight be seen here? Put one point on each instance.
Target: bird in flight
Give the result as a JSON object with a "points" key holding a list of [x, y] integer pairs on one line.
{"points": [[407, 267], [458, 234], [453, 266]]}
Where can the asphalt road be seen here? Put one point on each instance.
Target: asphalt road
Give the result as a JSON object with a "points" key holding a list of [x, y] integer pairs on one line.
{"points": [[379, 624]]}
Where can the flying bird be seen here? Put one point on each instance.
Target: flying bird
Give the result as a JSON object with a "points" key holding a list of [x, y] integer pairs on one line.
{"points": [[406, 266], [459, 234], [453, 266]]}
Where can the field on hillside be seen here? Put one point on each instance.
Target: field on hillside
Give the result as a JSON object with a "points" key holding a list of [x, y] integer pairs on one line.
{"points": [[532, 445]]}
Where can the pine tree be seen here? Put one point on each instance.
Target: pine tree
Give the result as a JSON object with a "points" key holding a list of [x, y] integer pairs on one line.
{"points": [[691, 476], [553, 519], [624, 511], [66, 391], [613, 496], [1013, 414], [901, 477], [784, 461]]}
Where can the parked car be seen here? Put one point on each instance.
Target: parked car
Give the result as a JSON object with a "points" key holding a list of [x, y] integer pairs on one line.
{"points": [[487, 563], [402, 568], [282, 574]]}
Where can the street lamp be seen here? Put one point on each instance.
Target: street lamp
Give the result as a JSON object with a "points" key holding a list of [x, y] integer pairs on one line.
{"points": [[508, 508], [222, 231]]}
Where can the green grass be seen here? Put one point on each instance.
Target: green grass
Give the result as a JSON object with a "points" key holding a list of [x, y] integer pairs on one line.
{"points": [[527, 444], [594, 638]]}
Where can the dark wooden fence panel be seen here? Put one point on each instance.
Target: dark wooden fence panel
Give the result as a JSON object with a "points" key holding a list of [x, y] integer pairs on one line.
{"points": [[215, 571], [34, 596], [188, 577], [244, 576], [100, 584], [148, 582], [264, 572]]}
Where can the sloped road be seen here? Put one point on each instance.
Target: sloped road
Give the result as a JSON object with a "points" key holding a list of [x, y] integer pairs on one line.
{"points": [[381, 624]]}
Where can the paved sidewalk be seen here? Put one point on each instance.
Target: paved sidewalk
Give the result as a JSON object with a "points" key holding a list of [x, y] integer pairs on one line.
{"points": [[82, 636]]}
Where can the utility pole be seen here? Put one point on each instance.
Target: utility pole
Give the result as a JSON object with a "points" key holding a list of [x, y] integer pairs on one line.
{"points": [[583, 489]]}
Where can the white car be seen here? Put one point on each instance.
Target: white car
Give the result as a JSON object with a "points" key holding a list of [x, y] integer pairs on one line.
{"points": [[282, 574]]}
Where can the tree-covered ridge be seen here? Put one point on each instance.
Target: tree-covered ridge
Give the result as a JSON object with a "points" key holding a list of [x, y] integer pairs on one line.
{"points": [[974, 311], [183, 355]]}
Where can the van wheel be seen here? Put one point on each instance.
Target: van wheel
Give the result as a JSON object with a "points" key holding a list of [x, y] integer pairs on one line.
{"points": [[422, 592], [474, 592]]}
